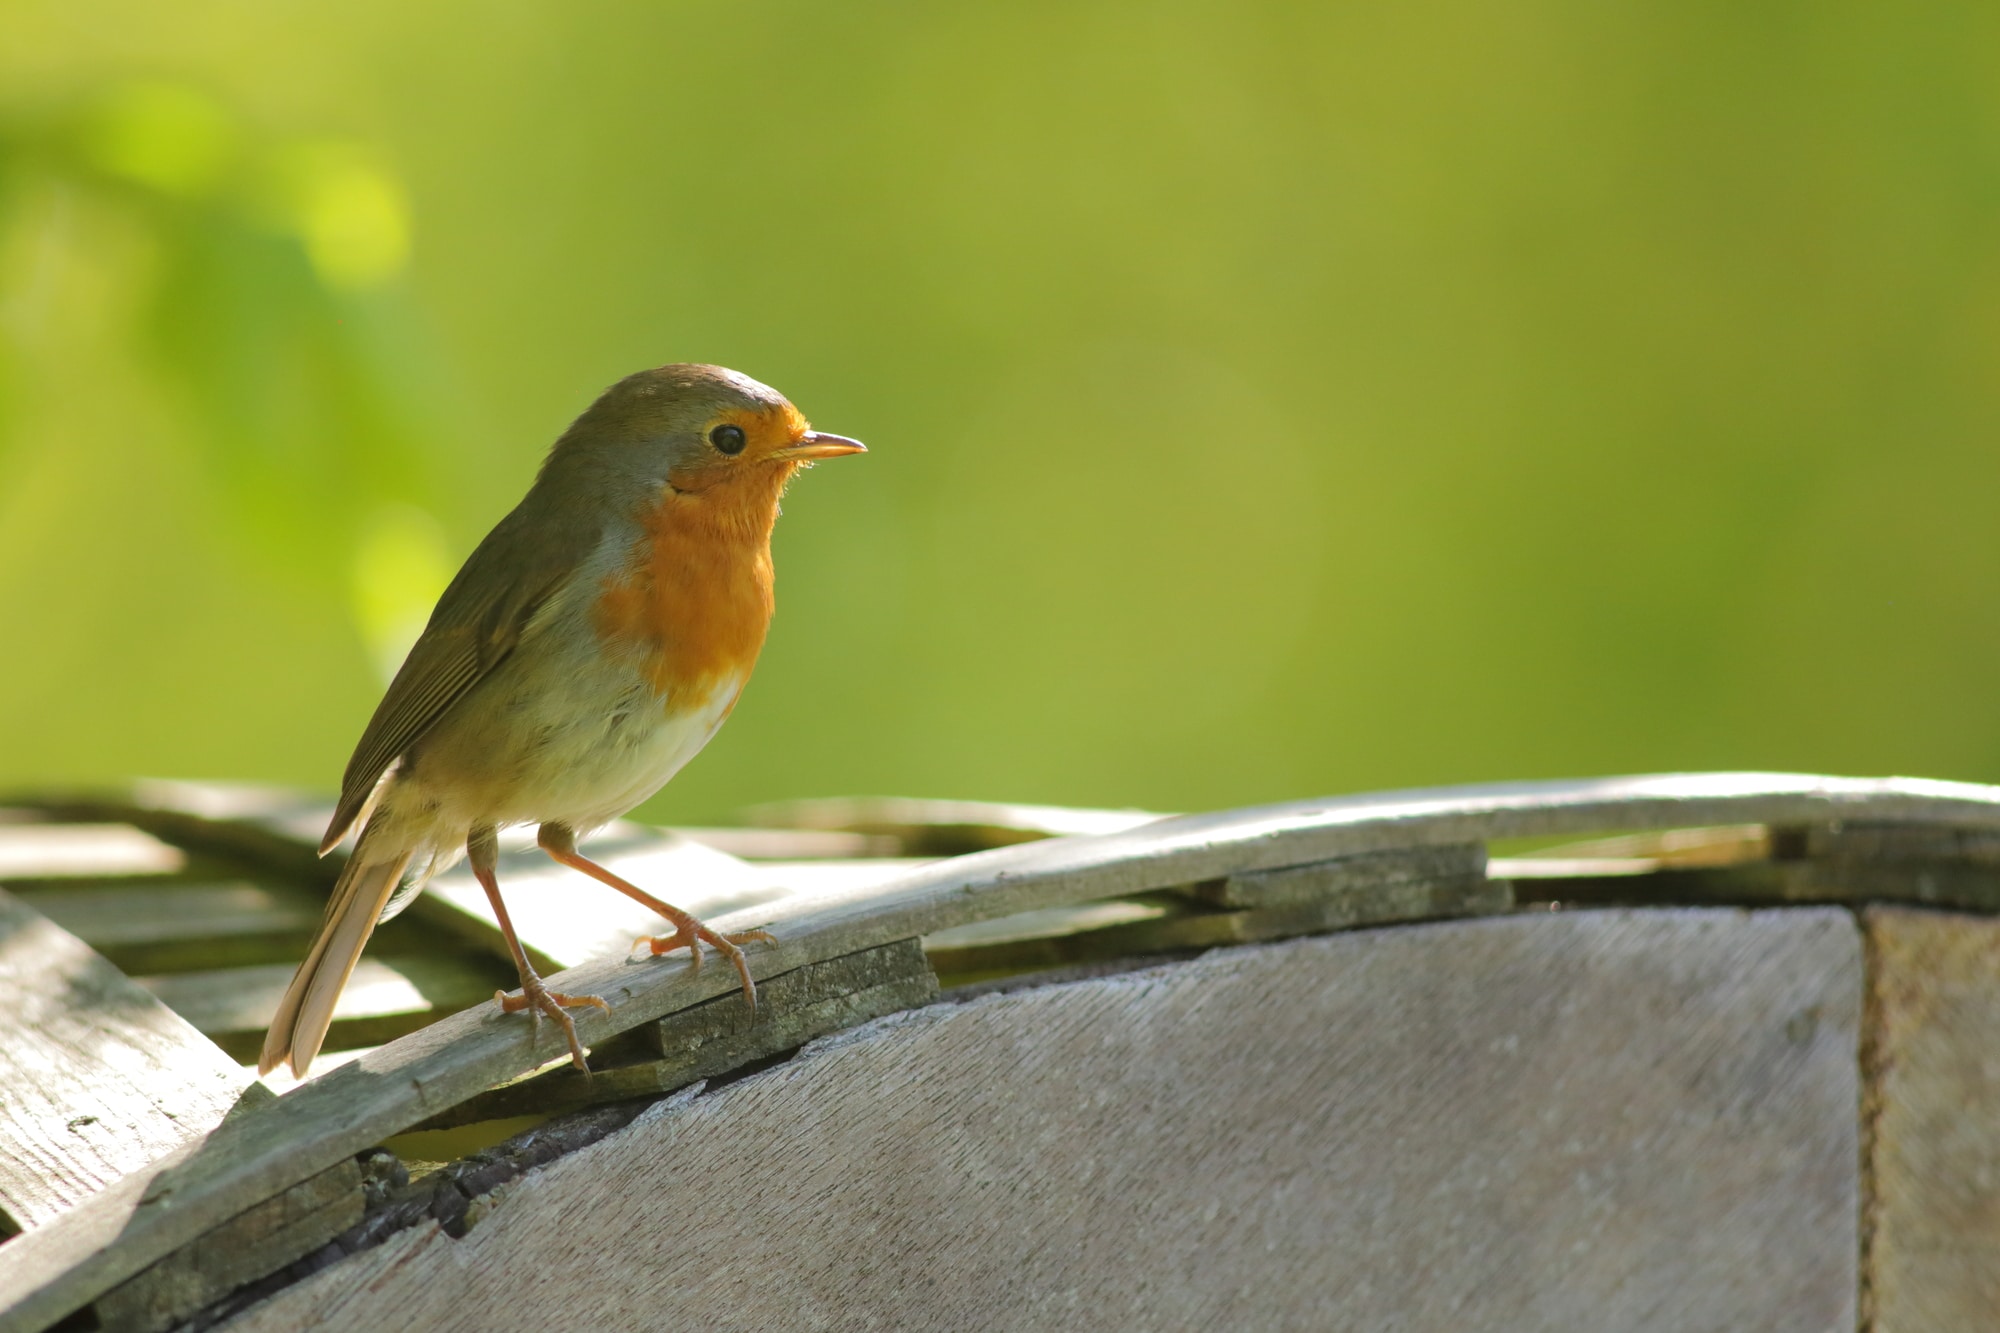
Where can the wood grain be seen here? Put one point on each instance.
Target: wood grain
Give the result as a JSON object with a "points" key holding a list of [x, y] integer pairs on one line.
{"points": [[945, 828], [720, 1035], [65, 1264], [73, 851], [97, 1077], [1367, 878], [565, 918], [172, 925], [256, 1242], [1934, 1151], [1634, 1121], [385, 998]]}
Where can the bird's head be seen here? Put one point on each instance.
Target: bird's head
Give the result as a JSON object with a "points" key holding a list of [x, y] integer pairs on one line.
{"points": [[704, 431]]}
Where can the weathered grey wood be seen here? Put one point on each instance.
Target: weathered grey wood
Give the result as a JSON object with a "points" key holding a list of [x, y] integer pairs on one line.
{"points": [[794, 844], [565, 918], [247, 1247], [1862, 860], [1863, 840], [1727, 844], [900, 965], [269, 827], [1639, 1121], [719, 1035], [1932, 1220], [1169, 923], [945, 828], [172, 925], [97, 1078], [385, 998], [1850, 861], [67, 1263], [125, 913], [1370, 877], [69, 851]]}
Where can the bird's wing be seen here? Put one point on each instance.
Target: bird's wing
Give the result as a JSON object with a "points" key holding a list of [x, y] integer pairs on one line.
{"points": [[522, 562]]}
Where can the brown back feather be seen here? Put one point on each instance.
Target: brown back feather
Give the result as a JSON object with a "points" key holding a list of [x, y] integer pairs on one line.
{"points": [[478, 621]]}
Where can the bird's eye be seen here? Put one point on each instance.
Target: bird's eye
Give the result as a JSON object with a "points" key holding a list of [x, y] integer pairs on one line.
{"points": [[729, 439]]}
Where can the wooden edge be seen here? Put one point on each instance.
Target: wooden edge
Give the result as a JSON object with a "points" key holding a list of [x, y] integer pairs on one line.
{"points": [[96, 1073], [719, 1035], [251, 1245], [953, 825], [1367, 873], [72, 1260], [266, 828]]}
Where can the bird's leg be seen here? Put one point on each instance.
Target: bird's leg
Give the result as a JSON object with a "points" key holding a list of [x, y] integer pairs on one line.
{"points": [[560, 843], [483, 851]]}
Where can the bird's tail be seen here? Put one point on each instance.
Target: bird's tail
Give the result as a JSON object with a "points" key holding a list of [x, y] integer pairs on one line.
{"points": [[359, 895]]}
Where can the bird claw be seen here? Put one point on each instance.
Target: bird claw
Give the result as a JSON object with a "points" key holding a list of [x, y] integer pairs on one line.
{"points": [[538, 999], [690, 934]]}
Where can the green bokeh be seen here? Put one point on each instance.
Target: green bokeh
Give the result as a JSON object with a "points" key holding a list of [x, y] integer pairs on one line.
{"points": [[1265, 400]]}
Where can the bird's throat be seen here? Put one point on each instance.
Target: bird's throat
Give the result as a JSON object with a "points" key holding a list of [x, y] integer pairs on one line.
{"points": [[693, 603]]}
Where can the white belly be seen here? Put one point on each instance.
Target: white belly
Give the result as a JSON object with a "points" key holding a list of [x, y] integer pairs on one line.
{"points": [[601, 766]]}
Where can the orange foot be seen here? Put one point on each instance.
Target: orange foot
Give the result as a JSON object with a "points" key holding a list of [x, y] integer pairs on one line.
{"points": [[538, 999], [688, 934]]}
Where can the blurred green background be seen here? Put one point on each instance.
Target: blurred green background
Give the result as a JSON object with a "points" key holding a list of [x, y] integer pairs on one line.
{"points": [[1265, 399]]}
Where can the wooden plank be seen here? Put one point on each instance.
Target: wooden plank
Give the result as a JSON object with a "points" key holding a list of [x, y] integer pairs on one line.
{"points": [[794, 844], [97, 1078], [1836, 862], [565, 918], [176, 925], [1865, 840], [1729, 844], [1338, 894], [945, 828], [1933, 1113], [1304, 902], [251, 1245], [71, 851], [273, 828], [67, 1263], [1637, 1121], [719, 1035], [1367, 880], [1857, 860], [124, 914], [385, 998]]}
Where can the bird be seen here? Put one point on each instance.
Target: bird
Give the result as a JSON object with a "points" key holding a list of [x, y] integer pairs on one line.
{"points": [[589, 647]]}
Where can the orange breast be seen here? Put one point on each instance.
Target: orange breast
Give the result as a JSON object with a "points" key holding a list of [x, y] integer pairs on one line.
{"points": [[694, 603]]}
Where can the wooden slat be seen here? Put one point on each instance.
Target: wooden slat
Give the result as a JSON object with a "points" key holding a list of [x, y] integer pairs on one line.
{"points": [[1730, 844], [97, 1078], [1931, 1231], [174, 925], [1369, 880], [146, 913], [1168, 923], [385, 998], [61, 1266], [268, 827], [70, 851], [565, 918], [250, 1245], [1419, 884], [1835, 861], [794, 844], [721, 1034], [945, 828]]}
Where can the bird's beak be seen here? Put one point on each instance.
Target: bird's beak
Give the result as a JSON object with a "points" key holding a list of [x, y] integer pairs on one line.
{"points": [[818, 444]]}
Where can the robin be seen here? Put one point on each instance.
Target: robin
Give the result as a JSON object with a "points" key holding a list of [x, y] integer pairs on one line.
{"points": [[590, 646]]}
